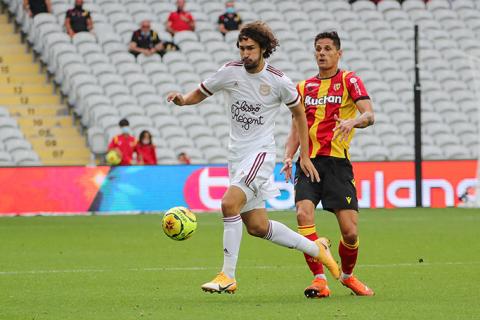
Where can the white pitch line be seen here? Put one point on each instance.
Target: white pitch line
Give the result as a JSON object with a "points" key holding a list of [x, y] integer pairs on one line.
{"points": [[392, 265]]}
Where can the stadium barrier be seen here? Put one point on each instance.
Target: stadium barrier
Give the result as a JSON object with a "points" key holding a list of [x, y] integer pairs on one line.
{"points": [[138, 189]]}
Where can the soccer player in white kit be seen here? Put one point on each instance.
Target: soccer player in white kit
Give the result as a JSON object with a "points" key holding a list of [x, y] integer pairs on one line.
{"points": [[255, 92]]}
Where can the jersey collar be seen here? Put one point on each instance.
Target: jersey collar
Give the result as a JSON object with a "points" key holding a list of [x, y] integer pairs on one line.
{"points": [[318, 75]]}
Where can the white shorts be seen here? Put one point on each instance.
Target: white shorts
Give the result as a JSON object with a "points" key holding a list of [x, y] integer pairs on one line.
{"points": [[254, 175]]}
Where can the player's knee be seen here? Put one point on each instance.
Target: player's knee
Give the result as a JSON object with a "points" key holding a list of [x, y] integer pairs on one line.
{"points": [[257, 230], [229, 207], [304, 215], [350, 236]]}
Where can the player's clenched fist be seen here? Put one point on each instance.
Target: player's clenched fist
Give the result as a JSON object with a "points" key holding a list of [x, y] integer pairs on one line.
{"points": [[177, 98]]}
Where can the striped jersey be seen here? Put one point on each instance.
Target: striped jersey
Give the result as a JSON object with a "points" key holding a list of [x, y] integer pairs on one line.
{"points": [[324, 98], [253, 103]]}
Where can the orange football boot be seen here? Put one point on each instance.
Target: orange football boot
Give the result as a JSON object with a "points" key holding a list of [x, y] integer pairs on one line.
{"points": [[318, 289], [356, 286]]}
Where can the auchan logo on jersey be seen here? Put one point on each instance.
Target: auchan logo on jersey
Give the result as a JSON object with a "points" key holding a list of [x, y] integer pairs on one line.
{"points": [[379, 185], [309, 101]]}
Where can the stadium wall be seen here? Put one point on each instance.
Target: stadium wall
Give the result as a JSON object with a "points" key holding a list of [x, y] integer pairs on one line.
{"points": [[137, 189]]}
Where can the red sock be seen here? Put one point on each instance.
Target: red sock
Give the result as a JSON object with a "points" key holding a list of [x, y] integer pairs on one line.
{"points": [[310, 233], [348, 254]]}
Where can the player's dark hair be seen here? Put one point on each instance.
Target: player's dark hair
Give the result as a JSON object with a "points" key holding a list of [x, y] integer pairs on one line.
{"points": [[143, 134], [261, 33], [333, 35], [124, 123]]}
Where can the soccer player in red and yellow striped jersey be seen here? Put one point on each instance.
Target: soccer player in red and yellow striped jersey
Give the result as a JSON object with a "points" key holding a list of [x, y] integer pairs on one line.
{"points": [[331, 100]]}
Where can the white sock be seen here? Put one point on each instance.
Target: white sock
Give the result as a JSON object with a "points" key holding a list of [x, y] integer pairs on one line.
{"points": [[232, 237], [286, 237], [320, 276], [345, 276]]}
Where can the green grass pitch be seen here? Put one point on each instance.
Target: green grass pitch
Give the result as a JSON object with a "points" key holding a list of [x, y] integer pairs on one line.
{"points": [[124, 267]]}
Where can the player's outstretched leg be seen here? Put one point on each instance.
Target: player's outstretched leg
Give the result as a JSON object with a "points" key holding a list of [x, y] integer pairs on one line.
{"points": [[306, 227], [348, 251], [258, 225], [232, 237], [318, 288]]}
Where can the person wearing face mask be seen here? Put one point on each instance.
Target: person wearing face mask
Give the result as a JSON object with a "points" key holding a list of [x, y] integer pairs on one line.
{"points": [[145, 41], [124, 143], [230, 20], [78, 19], [146, 149], [180, 20]]}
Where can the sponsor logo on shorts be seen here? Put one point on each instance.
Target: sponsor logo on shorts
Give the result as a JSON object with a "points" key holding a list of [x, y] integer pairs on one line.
{"points": [[349, 199]]}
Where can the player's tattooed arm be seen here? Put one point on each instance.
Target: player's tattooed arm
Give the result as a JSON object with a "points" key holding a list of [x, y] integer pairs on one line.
{"points": [[345, 126], [367, 117], [193, 97]]}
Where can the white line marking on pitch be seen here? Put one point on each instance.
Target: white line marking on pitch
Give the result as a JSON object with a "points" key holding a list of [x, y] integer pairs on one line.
{"points": [[392, 265]]}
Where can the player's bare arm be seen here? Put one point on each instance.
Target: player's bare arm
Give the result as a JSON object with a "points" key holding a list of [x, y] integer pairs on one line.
{"points": [[344, 127], [301, 123], [291, 146], [193, 97]]}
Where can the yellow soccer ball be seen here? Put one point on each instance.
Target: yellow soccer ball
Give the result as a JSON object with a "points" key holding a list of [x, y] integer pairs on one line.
{"points": [[113, 158], [179, 223]]}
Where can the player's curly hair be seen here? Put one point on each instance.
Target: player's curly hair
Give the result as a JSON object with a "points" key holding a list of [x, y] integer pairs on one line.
{"points": [[261, 33]]}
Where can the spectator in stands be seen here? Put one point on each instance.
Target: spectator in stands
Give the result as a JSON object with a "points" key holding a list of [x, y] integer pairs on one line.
{"points": [[146, 149], [230, 20], [124, 143], [180, 20], [145, 41], [183, 158], [78, 19], [34, 7]]}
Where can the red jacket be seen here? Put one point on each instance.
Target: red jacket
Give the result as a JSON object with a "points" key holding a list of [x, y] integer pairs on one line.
{"points": [[146, 153], [126, 145], [177, 22]]}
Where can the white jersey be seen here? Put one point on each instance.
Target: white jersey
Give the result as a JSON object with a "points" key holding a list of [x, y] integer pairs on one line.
{"points": [[254, 101]]}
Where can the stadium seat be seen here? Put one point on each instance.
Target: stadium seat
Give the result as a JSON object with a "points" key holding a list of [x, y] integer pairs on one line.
{"points": [[17, 144], [198, 131], [127, 111], [376, 153], [457, 152], [179, 143], [5, 159], [7, 122], [170, 132], [464, 128], [365, 139], [127, 68], [166, 156], [25, 157], [206, 142], [377, 43], [431, 152]]}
